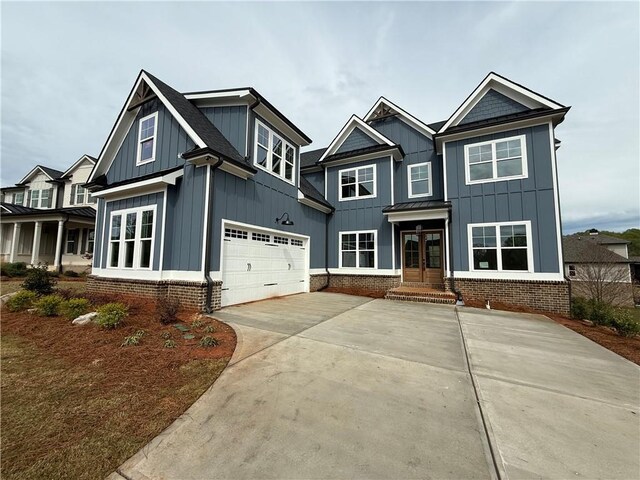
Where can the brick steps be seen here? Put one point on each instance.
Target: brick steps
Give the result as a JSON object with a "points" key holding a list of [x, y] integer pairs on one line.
{"points": [[422, 299], [418, 292]]}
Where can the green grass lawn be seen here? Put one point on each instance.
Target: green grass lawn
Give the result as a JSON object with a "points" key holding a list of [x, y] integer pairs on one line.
{"points": [[12, 285]]}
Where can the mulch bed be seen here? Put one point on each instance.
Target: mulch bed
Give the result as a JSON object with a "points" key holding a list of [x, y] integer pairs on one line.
{"points": [[626, 347]]}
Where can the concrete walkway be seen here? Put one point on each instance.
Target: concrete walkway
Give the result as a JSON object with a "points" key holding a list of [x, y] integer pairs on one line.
{"points": [[334, 386]]}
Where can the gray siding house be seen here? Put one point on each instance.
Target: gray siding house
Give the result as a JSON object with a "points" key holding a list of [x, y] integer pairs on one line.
{"points": [[207, 197]]}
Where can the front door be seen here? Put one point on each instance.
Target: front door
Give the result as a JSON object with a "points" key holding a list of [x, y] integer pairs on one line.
{"points": [[422, 260]]}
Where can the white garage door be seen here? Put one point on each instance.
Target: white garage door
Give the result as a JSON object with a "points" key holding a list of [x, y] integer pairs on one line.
{"points": [[258, 264]]}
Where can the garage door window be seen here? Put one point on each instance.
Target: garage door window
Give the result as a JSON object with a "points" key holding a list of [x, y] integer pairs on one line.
{"points": [[260, 237], [233, 233], [280, 240]]}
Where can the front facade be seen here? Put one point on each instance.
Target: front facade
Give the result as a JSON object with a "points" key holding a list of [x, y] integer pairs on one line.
{"points": [[48, 218], [207, 197]]}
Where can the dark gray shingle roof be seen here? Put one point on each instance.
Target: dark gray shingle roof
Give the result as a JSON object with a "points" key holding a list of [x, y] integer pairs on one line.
{"points": [[309, 159], [311, 192], [579, 249]]}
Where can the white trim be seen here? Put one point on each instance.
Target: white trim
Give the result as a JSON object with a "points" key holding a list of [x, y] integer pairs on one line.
{"points": [[357, 233], [239, 93], [358, 196], [494, 160], [410, 182], [447, 265], [137, 240], [493, 275], [155, 275], [77, 163], [227, 222], [364, 157], [309, 202], [235, 170], [317, 271], [158, 183], [153, 137], [504, 86], [412, 215], [205, 222], [162, 233], [499, 272], [404, 116], [365, 271], [392, 180], [393, 246], [444, 170], [353, 123], [269, 159], [37, 167], [556, 197], [246, 145]]}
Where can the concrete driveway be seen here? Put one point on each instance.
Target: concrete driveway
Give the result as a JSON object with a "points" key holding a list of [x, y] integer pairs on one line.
{"points": [[333, 386]]}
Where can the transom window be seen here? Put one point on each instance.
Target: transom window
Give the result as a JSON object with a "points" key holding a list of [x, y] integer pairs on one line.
{"points": [[358, 249], [274, 154], [280, 240], [501, 247], [496, 160], [419, 176], [234, 233], [296, 243], [260, 237], [131, 238], [147, 139], [357, 183]]}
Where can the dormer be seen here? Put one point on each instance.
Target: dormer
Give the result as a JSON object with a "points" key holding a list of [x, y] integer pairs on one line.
{"points": [[42, 187]]}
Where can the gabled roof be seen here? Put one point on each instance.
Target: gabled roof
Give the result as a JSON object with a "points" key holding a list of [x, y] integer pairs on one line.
{"points": [[369, 152], [52, 173], [500, 84], [353, 123], [581, 249], [601, 239], [384, 108], [309, 191], [83, 158], [203, 133]]}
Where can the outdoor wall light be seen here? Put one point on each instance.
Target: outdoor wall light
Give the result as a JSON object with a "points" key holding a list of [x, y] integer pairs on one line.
{"points": [[286, 222]]}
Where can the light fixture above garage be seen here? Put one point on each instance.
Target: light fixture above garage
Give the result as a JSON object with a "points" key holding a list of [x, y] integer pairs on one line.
{"points": [[286, 222]]}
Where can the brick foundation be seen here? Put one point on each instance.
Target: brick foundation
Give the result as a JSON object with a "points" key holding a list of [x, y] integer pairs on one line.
{"points": [[544, 296], [190, 294], [374, 283], [318, 282]]}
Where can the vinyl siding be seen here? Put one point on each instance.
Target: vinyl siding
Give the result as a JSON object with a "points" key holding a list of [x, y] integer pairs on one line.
{"points": [[493, 104], [316, 179], [356, 139]]}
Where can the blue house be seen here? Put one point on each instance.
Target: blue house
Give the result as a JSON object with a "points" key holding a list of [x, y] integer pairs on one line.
{"points": [[206, 197]]}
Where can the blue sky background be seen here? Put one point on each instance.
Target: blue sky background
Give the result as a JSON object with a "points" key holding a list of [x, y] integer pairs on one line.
{"points": [[67, 67]]}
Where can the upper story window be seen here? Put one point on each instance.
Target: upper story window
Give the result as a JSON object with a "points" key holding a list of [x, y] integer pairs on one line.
{"points": [[358, 249], [147, 129], [502, 159], [80, 195], [501, 247], [40, 198], [18, 198], [357, 183], [419, 177], [274, 154], [131, 238]]}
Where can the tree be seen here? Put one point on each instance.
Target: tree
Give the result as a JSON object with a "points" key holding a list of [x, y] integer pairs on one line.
{"points": [[603, 278]]}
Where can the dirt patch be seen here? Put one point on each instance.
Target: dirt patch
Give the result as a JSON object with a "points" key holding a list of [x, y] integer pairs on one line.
{"points": [[628, 348], [76, 404], [361, 292]]}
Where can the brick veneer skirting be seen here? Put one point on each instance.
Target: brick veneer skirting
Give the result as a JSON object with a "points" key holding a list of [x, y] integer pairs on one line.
{"points": [[546, 296], [190, 294], [374, 283], [317, 282]]}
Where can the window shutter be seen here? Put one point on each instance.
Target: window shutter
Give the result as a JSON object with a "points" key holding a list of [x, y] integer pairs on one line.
{"points": [[29, 198], [50, 200], [72, 199]]}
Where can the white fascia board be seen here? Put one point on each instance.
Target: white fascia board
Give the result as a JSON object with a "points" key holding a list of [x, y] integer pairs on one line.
{"points": [[309, 202], [412, 215], [349, 127], [5, 209], [152, 183], [364, 157], [271, 117], [77, 163], [502, 85], [34, 170], [230, 94], [404, 116], [235, 170]]}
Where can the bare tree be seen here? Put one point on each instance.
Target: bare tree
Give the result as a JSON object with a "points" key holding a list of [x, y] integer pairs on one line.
{"points": [[602, 277]]}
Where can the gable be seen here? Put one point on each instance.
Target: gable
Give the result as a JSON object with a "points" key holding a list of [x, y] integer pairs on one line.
{"points": [[493, 104], [356, 140], [171, 139]]}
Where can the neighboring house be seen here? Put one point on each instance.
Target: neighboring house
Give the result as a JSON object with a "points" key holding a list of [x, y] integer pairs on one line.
{"points": [[598, 267], [205, 196], [48, 217]]}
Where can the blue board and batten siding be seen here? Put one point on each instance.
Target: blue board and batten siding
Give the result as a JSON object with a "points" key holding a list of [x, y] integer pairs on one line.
{"points": [[493, 104], [531, 198], [357, 139], [171, 140], [232, 123], [316, 179]]}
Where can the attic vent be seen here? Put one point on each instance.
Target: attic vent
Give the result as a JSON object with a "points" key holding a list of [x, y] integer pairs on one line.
{"points": [[383, 111]]}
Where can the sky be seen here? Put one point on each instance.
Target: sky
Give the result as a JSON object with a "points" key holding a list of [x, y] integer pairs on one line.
{"points": [[66, 69]]}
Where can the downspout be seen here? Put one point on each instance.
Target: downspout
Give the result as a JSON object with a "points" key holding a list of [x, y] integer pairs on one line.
{"points": [[326, 255], [207, 240]]}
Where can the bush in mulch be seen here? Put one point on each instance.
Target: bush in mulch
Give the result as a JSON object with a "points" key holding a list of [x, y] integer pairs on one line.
{"points": [[39, 280], [111, 315], [21, 301], [13, 269], [167, 310], [49, 305]]}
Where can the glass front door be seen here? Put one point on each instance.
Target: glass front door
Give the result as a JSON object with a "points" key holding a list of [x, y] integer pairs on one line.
{"points": [[422, 257]]}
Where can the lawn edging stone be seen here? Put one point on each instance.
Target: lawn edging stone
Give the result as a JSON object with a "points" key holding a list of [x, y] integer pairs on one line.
{"points": [[85, 319]]}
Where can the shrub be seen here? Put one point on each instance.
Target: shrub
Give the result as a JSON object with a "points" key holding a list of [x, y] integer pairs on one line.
{"points": [[579, 308], [74, 307], [71, 273], [39, 280], [208, 341], [111, 315], [49, 305], [170, 344], [209, 329], [167, 310], [625, 324], [166, 335], [134, 339], [600, 313], [21, 301], [197, 324], [15, 269]]}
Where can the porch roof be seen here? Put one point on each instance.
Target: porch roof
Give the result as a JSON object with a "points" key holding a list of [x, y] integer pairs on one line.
{"points": [[14, 211], [424, 210]]}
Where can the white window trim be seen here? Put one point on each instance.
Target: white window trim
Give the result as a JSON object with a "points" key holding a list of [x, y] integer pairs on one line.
{"points": [[496, 225], [136, 253], [494, 160], [285, 143], [14, 198], [410, 187], [84, 195], [154, 136], [76, 242], [358, 196], [375, 249]]}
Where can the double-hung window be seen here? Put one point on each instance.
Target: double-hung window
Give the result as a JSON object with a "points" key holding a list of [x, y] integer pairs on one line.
{"points": [[501, 247], [131, 238], [358, 249], [357, 183], [503, 159], [147, 129], [35, 199], [18, 198], [72, 239], [91, 238], [419, 177], [273, 153], [80, 193]]}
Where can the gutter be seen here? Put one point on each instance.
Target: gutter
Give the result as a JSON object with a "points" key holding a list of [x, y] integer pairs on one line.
{"points": [[207, 238]]}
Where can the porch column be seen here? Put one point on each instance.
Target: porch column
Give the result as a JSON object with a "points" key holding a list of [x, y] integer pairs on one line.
{"points": [[79, 240], [35, 251], [14, 241], [58, 257]]}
